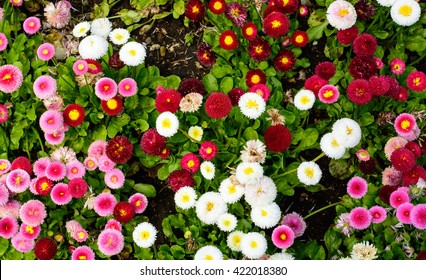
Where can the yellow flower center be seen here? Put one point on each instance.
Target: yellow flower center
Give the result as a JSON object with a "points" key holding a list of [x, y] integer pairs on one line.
{"points": [[305, 100], [138, 203], [18, 180], [126, 87], [209, 150], [232, 189], [166, 123], [132, 52], [276, 24], [405, 10], [283, 236], [248, 170], [112, 104], [82, 257], [208, 257], [31, 24], [45, 51], [44, 186], [309, 172], [195, 10], [229, 40], [236, 240], [3, 166], [259, 49], [405, 124], [249, 31], [82, 30], [299, 39], [191, 163], [227, 223], [417, 81], [145, 234], [235, 12], [114, 179], [253, 244], [106, 87], [255, 79], [217, 5], [186, 198], [343, 12], [349, 130], [7, 77], [29, 229], [119, 37], [334, 143], [264, 213], [81, 235], [328, 93], [210, 206], [252, 104], [74, 114], [284, 60], [80, 66]]}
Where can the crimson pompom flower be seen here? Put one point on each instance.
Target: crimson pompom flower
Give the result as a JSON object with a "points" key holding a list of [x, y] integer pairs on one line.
{"points": [[364, 9], [180, 178], [115, 62], [276, 24], [94, 66], [314, 83], [401, 94], [152, 143], [22, 163], [412, 177], [119, 149], [45, 248], [208, 150], [77, 187], [259, 49], [189, 85], [168, 100], [347, 36], [217, 7], [416, 81], [359, 91], [368, 167], [378, 85], [218, 105], [403, 159], [415, 148], [206, 55], [124, 212], [385, 192], [277, 138], [235, 94], [228, 40], [43, 186], [249, 31], [190, 162], [255, 76], [195, 10], [288, 6], [362, 67], [74, 115], [272, 8], [113, 106], [365, 44], [325, 70], [299, 38], [284, 60]]}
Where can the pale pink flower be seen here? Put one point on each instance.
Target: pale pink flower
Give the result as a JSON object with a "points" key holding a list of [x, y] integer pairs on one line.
{"points": [[80, 67], [18, 180], [4, 166], [3, 41], [110, 242], [90, 163], [75, 169], [58, 15], [83, 253], [114, 178], [392, 144], [51, 121], [139, 202], [22, 244], [391, 176], [44, 87], [105, 164], [55, 138], [39, 167], [113, 224], [33, 212], [127, 87], [56, 171], [97, 149], [11, 209], [29, 232]]}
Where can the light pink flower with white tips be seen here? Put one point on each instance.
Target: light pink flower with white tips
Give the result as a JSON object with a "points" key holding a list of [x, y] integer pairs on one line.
{"points": [[18, 180], [46, 51], [51, 121], [44, 87], [114, 178], [75, 169]]}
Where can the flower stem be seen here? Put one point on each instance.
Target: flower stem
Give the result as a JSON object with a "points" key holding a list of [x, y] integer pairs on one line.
{"points": [[320, 210], [318, 157], [188, 136]]}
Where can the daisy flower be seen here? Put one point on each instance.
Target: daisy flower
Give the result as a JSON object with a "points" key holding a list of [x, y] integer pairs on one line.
{"points": [[29, 232], [191, 102], [285, 60], [22, 244], [119, 149], [254, 151], [416, 81], [31, 25], [113, 106], [325, 70], [4, 114], [397, 66], [403, 212], [3, 42], [83, 253], [208, 150], [74, 115], [295, 222], [230, 192], [418, 216], [113, 224], [16, 2], [110, 242], [405, 124], [77, 187], [43, 186], [167, 124], [81, 29], [208, 252], [249, 172], [185, 198], [44, 87], [253, 245], [309, 173], [218, 105], [304, 99], [51, 121], [127, 87], [45, 248], [90, 163], [266, 216], [104, 204], [75, 169], [262, 193], [4, 195], [341, 14], [4, 166], [22, 163], [299, 38], [190, 162], [233, 241], [144, 235], [139, 202], [209, 207], [97, 149], [180, 178], [277, 138], [328, 94], [55, 138], [314, 83], [114, 178], [249, 31], [18, 180], [101, 27], [8, 227], [119, 36], [217, 7], [283, 236], [259, 49], [251, 105], [80, 235], [206, 55], [365, 44], [32, 213], [403, 159], [360, 218], [392, 144], [276, 24], [93, 47], [228, 40], [357, 187], [262, 90], [45, 51], [378, 214], [124, 212], [58, 15], [280, 256], [405, 12], [255, 76], [227, 222], [132, 53], [11, 78], [386, 3], [347, 131], [60, 194], [106, 88], [331, 146], [167, 100], [80, 67], [56, 171], [398, 197], [10, 209], [364, 251], [195, 10]]}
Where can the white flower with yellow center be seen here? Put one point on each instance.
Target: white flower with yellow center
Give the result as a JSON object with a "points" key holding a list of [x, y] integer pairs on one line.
{"points": [[281, 256], [234, 240], [252, 105], [196, 132], [209, 207], [364, 251], [81, 29], [207, 169], [167, 124], [230, 192], [144, 235], [249, 172], [227, 222], [93, 47], [119, 36], [266, 216], [253, 245], [208, 253], [341, 14], [347, 132], [132, 53], [331, 146], [262, 193], [304, 99], [101, 27], [309, 173], [185, 198], [405, 12]]}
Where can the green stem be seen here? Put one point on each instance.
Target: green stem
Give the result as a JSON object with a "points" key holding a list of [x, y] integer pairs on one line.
{"points": [[318, 157], [320, 210], [188, 136], [38, 137]]}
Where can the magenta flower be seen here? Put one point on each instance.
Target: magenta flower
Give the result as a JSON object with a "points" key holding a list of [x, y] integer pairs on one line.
{"points": [[295, 222], [80, 67], [90, 163], [72, 226], [397, 66], [29, 232], [139, 202], [105, 164], [16, 2], [60, 194], [104, 204], [55, 138], [357, 187], [360, 218], [110, 242], [405, 124], [398, 197], [83, 253], [418, 216], [8, 227], [4, 195], [44, 87], [40, 165], [80, 235], [97, 149], [403, 212], [106, 88], [127, 87], [4, 116], [328, 94], [113, 224], [56, 171], [22, 244], [11, 78], [283, 236], [51, 121], [46, 51], [18, 180], [33, 212], [4, 166], [31, 25], [114, 178], [392, 144], [262, 90], [77, 187], [378, 214], [75, 169], [3, 42]]}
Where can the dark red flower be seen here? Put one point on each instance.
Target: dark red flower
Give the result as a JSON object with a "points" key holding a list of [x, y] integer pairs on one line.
{"points": [[43, 186], [412, 177], [189, 85], [22, 163], [276, 24], [277, 138], [299, 38], [180, 178], [115, 62], [165, 153], [217, 6], [249, 31], [284, 60], [113, 106], [255, 76], [272, 8], [235, 94], [236, 13], [362, 67], [94, 66], [119, 149], [167, 100], [74, 114], [288, 6], [195, 10], [259, 49], [368, 167], [364, 9], [45, 248], [206, 55], [378, 85], [152, 143], [124, 212], [325, 70], [415, 148], [218, 105], [365, 44], [314, 83], [385, 192], [347, 36], [401, 94], [228, 40], [421, 255], [77, 187], [359, 91], [403, 159], [393, 86]]}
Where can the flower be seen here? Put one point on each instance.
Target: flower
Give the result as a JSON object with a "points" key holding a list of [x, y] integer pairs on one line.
{"points": [[104, 204], [397, 66], [167, 124], [208, 150], [405, 12], [18, 180], [217, 7], [144, 235], [412, 177], [360, 218], [22, 163], [11, 78], [359, 92], [185, 198], [227, 222], [347, 132], [249, 31], [80, 235], [418, 216], [93, 47], [398, 197], [113, 106], [234, 240], [365, 44], [54, 102], [309, 173], [208, 252], [114, 178], [21, 243], [325, 70], [110, 242], [180, 178], [228, 40], [4, 114], [262, 90], [276, 24], [283, 236], [58, 15], [29, 232], [44, 87], [77, 187], [206, 55], [230, 192], [403, 159], [45, 51], [392, 144], [60, 194], [403, 212], [4, 195], [253, 245], [113, 224], [75, 169], [235, 95], [106, 88], [405, 125], [266, 216], [115, 62], [139, 202], [168, 100], [195, 10], [331, 146], [280, 256], [261, 193], [119, 36], [16, 2], [209, 207], [51, 121], [363, 155], [259, 49], [299, 38], [43, 185], [304, 99], [236, 13], [196, 132], [386, 3], [341, 14], [101, 27], [314, 83], [4, 166], [132, 53], [90, 163], [124, 212], [105, 164], [252, 105], [207, 169], [31, 25], [364, 9], [249, 172], [152, 143], [378, 214], [191, 85], [81, 29], [295, 222], [119, 149], [284, 60], [415, 148], [254, 151], [362, 67], [83, 253], [56, 171], [32, 213], [74, 114], [416, 81], [357, 187], [347, 36], [8, 227], [127, 87], [191, 102], [277, 138], [10, 209], [190, 162], [364, 251]]}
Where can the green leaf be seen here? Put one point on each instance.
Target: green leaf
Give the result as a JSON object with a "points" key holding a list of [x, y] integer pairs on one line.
{"points": [[210, 83], [415, 43], [146, 189], [332, 241], [316, 32], [4, 244], [58, 214], [18, 131], [173, 81], [226, 84], [381, 34], [116, 125], [250, 134], [178, 252]]}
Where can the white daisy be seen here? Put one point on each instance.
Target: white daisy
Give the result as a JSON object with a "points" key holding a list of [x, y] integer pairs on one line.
{"points": [[364, 251], [209, 207], [119, 36], [132, 53], [281, 256], [209, 252], [101, 27], [144, 235], [167, 124], [81, 29], [93, 47], [347, 132], [251, 105], [405, 12], [341, 14], [227, 222], [262, 193], [304, 99], [386, 3], [254, 151], [207, 169], [309, 173], [234, 240], [185, 198], [196, 132], [249, 172], [230, 193], [266, 216], [253, 245], [331, 147]]}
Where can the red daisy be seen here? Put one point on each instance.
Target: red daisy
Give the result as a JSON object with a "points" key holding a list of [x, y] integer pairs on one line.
{"points": [[74, 115], [217, 6], [189, 85], [94, 66], [403, 159], [259, 49], [314, 83], [284, 61], [168, 100], [365, 44], [195, 10], [362, 67], [190, 162], [152, 143], [412, 177], [218, 105], [77, 187], [277, 138], [378, 85], [208, 150], [255, 76], [415, 148], [22, 163], [401, 94], [235, 94], [276, 24], [43, 186], [206, 55], [288, 6], [347, 36], [385, 192], [249, 31], [119, 149], [325, 70], [299, 38], [228, 40], [115, 62], [165, 153], [180, 178], [113, 106], [124, 212], [45, 248], [359, 91], [416, 81]]}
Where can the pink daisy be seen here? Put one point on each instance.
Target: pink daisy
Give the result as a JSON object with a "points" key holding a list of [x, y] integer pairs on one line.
{"points": [[8, 227], [60, 194], [378, 214], [83, 253], [363, 155], [104, 204], [105, 88], [97, 148], [46, 51], [18, 180], [416, 81], [262, 90], [110, 242], [44, 87], [3, 42], [77, 187], [4, 166], [29, 232], [139, 202], [190, 162], [113, 224], [360, 218], [105, 164], [405, 124], [11, 78], [295, 222], [127, 87], [22, 244], [4, 195], [90, 163], [40, 165], [208, 150], [283, 236], [398, 197], [16, 2], [55, 138], [80, 235], [397, 66], [31, 25], [328, 94], [72, 226], [11, 209], [418, 216], [75, 169], [403, 212], [56, 171], [33, 212], [357, 187], [114, 178], [4, 113], [51, 121], [80, 67]]}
